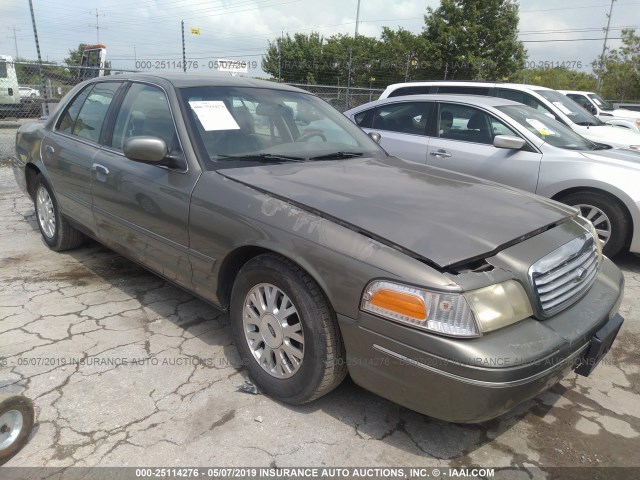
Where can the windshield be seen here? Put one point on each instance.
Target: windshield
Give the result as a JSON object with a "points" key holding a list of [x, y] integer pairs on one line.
{"points": [[548, 129], [234, 126], [571, 109], [602, 103]]}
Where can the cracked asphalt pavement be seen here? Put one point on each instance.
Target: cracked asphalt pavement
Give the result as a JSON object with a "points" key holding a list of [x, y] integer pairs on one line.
{"points": [[127, 370]]}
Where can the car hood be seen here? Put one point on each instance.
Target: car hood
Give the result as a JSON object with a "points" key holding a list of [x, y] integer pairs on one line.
{"points": [[436, 215], [616, 156], [609, 134], [622, 113]]}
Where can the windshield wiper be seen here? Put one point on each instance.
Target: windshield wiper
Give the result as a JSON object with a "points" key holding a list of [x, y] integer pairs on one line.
{"points": [[261, 157], [337, 155], [587, 124]]}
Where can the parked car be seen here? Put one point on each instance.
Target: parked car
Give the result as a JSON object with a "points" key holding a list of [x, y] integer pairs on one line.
{"points": [[28, 92], [547, 101], [605, 111], [514, 144], [451, 295]]}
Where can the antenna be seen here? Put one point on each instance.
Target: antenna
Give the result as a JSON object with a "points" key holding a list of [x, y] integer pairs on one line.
{"points": [[97, 25]]}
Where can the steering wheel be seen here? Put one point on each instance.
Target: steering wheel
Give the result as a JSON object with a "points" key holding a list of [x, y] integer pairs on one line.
{"points": [[313, 133]]}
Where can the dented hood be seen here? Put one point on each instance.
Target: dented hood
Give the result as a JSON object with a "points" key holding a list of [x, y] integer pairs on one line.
{"points": [[437, 215]]}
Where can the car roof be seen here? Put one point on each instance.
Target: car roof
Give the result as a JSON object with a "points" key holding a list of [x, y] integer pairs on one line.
{"points": [[576, 91], [185, 80], [480, 100], [512, 86]]}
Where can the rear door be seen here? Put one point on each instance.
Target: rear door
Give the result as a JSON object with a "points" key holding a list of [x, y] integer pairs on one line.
{"points": [[466, 145], [68, 150]]}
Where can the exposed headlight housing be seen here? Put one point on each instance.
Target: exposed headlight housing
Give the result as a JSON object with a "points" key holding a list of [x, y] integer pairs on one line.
{"points": [[596, 238], [454, 314]]}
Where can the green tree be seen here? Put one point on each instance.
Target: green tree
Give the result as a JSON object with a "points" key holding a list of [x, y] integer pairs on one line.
{"points": [[620, 69], [75, 56], [556, 78], [404, 56], [474, 39], [296, 59]]}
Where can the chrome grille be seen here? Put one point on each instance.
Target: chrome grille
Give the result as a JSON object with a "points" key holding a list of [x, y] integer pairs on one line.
{"points": [[562, 277]]}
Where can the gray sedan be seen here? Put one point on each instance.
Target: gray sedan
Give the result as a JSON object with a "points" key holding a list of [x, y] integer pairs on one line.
{"points": [[450, 295], [514, 144]]}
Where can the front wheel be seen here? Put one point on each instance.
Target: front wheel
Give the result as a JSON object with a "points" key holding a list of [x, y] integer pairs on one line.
{"points": [[286, 331], [607, 216], [16, 421], [56, 231]]}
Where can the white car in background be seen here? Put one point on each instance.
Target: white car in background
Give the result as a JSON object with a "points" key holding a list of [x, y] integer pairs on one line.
{"points": [[28, 92], [547, 101], [605, 111]]}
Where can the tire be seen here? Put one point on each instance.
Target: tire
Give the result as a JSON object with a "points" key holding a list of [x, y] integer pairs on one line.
{"points": [[56, 231], [16, 422], [304, 337], [608, 216]]}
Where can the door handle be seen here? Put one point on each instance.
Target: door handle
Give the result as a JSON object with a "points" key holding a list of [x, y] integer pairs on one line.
{"points": [[100, 169], [440, 154], [49, 151]]}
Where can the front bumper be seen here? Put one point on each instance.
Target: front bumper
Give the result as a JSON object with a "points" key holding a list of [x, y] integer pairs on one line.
{"points": [[473, 380]]}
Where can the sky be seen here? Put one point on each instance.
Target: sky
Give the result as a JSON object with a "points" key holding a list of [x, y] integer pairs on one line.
{"points": [[150, 30]]}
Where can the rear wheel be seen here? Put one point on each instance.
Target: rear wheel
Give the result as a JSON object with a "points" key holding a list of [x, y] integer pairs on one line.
{"points": [[16, 421], [56, 231], [606, 214], [286, 331]]}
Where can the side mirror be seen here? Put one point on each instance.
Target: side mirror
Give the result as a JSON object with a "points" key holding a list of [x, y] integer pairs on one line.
{"points": [[508, 141], [375, 136], [145, 149]]}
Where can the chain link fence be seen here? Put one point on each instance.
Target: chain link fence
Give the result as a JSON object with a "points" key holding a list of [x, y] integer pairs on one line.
{"points": [[341, 97]]}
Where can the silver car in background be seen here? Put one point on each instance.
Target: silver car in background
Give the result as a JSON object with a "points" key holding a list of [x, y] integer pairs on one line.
{"points": [[511, 143]]}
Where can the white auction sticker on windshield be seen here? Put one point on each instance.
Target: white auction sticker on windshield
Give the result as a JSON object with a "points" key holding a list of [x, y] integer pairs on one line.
{"points": [[213, 115], [540, 127], [562, 108]]}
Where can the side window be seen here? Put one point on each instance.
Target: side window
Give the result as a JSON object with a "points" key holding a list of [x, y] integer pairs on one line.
{"points": [[583, 102], [418, 90], [464, 123], [464, 90], [145, 111], [363, 119], [499, 128], [522, 97], [94, 110], [68, 119], [404, 117]]}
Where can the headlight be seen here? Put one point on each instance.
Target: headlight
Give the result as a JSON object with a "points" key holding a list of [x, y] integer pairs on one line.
{"points": [[634, 147], [460, 315]]}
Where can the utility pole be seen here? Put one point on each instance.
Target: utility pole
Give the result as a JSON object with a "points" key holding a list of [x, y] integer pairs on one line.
{"points": [[15, 39], [42, 84], [604, 48], [97, 25], [280, 56], [347, 99]]}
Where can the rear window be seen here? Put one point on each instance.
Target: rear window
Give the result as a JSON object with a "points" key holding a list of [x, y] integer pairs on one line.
{"points": [[3, 69]]}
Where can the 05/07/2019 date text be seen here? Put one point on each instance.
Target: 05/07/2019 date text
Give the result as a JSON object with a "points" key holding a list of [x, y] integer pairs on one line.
{"points": [[195, 64]]}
